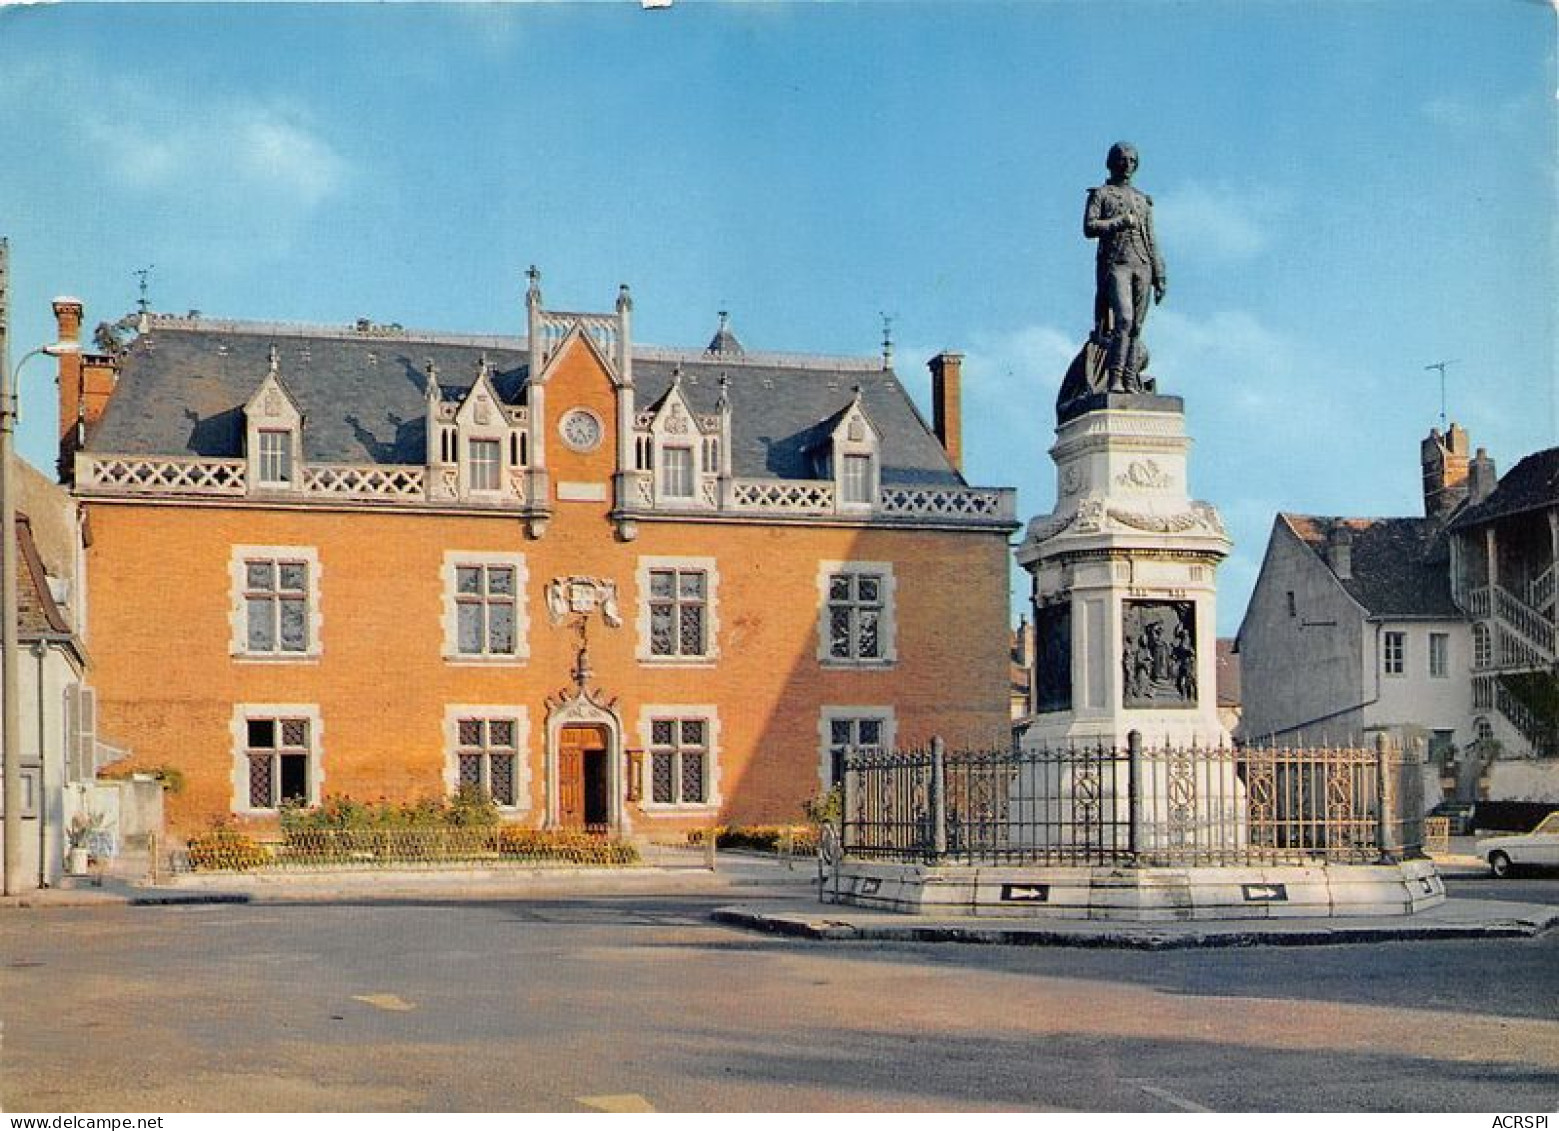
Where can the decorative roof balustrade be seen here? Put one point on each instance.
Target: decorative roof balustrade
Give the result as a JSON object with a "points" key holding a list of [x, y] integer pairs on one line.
{"points": [[150, 476], [603, 329], [947, 502], [160, 475], [783, 496], [368, 482]]}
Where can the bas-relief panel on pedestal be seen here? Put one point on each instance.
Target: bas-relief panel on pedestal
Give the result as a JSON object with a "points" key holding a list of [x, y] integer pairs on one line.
{"points": [[1053, 658], [1158, 655]]}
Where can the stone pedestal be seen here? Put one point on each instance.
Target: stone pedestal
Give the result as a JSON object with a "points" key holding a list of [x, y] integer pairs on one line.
{"points": [[1141, 895], [1124, 582]]}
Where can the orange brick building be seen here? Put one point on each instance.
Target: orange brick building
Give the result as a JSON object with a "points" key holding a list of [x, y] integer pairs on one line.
{"points": [[617, 586]]}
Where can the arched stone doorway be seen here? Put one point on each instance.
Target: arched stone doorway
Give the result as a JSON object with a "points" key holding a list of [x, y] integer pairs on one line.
{"points": [[584, 765]]}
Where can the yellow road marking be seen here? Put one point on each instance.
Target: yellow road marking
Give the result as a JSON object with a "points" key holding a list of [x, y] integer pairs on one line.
{"points": [[618, 1104], [384, 1001]]}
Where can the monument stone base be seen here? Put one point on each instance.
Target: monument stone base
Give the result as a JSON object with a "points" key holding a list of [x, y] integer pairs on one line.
{"points": [[1305, 891]]}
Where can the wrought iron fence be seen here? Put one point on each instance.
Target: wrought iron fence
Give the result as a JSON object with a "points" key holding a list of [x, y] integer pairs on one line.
{"points": [[1132, 805]]}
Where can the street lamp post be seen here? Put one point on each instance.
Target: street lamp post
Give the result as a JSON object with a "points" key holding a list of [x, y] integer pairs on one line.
{"points": [[10, 655]]}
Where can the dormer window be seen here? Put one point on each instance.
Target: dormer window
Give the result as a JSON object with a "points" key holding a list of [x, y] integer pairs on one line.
{"points": [[275, 466], [850, 457], [679, 451], [273, 433], [486, 465], [856, 481], [676, 473]]}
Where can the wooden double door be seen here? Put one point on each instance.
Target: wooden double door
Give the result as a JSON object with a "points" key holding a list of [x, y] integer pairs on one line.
{"points": [[584, 780]]}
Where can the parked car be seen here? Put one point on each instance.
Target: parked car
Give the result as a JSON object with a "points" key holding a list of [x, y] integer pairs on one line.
{"points": [[1459, 813], [1538, 848]]}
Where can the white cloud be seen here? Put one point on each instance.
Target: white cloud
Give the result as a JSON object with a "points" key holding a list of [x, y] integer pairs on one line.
{"points": [[1219, 220], [237, 155], [1030, 356], [1252, 367]]}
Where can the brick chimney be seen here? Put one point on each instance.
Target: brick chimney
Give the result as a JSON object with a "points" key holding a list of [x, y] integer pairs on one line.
{"points": [[1482, 477], [86, 381], [1339, 552], [67, 317], [1445, 460], [946, 395]]}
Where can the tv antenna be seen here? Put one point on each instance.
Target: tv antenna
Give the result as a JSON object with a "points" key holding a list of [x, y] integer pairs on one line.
{"points": [[1441, 365], [144, 303]]}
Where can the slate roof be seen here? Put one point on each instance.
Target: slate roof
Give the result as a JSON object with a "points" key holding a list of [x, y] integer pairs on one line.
{"points": [[1228, 656], [1400, 565], [1533, 484], [724, 342], [184, 383], [37, 613]]}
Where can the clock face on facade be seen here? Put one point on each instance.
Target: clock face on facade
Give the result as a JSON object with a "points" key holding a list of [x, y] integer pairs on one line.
{"points": [[581, 429]]}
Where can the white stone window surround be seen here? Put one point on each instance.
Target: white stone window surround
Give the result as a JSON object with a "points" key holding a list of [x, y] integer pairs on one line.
{"points": [[1439, 655], [494, 468], [708, 566], [857, 480], [854, 439], [677, 482], [833, 713], [272, 412], [1393, 653], [709, 714], [275, 463], [238, 612], [520, 717], [448, 575], [239, 734], [887, 627]]}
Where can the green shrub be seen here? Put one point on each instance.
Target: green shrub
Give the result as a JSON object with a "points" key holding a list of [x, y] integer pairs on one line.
{"points": [[798, 839], [472, 807], [826, 808], [469, 808]]}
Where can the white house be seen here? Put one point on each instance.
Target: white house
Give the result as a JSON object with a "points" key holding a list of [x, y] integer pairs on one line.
{"points": [[1442, 628], [1352, 630]]}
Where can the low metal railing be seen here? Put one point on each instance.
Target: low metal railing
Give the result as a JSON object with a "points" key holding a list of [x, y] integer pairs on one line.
{"points": [[1132, 805], [229, 849]]}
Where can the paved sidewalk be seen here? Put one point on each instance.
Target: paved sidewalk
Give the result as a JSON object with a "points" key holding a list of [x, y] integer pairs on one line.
{"points": [[665, 870], [781, 897]]}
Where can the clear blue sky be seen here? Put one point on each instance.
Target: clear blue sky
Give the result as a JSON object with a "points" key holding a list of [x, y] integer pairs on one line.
{"points": [[1346, 192]]}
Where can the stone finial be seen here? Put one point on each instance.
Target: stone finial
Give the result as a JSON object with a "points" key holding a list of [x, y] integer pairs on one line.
{"points": [[533, 291], [624, 299]]}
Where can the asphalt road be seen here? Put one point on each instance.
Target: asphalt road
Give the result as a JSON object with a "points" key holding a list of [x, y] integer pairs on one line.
{"points": [[628, 1001]]}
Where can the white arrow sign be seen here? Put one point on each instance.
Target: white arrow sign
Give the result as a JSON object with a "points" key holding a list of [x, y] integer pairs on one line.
{"points": [[1025, 893], [1263, 893]]}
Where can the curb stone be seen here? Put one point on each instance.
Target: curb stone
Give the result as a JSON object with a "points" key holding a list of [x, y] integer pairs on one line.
{"points": [[839, 930]]}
